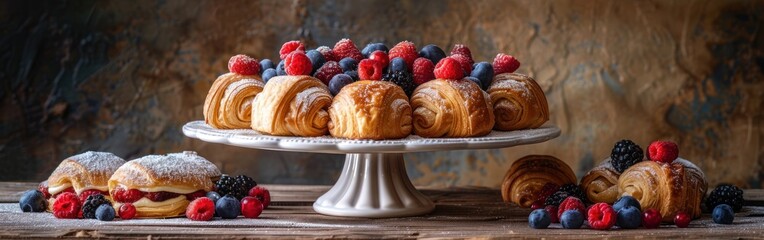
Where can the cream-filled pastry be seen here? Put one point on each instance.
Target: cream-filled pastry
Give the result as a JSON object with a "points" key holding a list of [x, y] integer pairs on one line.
{"points": [[83, 174]]}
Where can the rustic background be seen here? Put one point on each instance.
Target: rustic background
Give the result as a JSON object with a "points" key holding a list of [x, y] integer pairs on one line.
{"points": [[124, 76]]}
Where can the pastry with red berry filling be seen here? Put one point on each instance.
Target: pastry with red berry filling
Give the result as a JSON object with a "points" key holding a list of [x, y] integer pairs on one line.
{"points": [[229, 101], [162, 186], [83, 174]]}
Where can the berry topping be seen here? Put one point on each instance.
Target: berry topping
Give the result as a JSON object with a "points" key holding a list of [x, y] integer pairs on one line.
{"points": [[398, 64], [601, 216], [370, 70], [105, 212], [280, 71], [651, 218], [539, 219], [297, 63], [571, 203], [463, 50], [475, 80], [423, 70], [316, 60], [127, 196], [448, 68], [380, 57], [432, 52], [682, 220], [726, 194], [556, 198], [338, 82], [402, 79], [483, 71], [227, 207], [327, 71], [244, 65], [405, 50], [87, 193], [328, 53], [345, 48], [92, 203], [505, 64], [353, 74], [464, 62], [67, 205], [552, 210], [262, 194], [625, 154], [537, 204], [290, 47], [662, 151], [573, 190], [251, 207], [371, 47], [629, 217], [161, 196], [33, 201], [43, 187], [268, 74], [625, 201], [195, 195], [266, 64], [201, 209], [127, 211], [348, 64], [572, 219], [723, 214], [547, 190]]}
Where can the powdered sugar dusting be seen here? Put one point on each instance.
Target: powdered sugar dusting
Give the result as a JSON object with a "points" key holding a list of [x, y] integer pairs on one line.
{"points": [[183, 167], [98, 161]]}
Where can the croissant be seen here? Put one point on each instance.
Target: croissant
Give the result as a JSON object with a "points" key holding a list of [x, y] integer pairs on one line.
{"points": [[668, 188], [292, 106], [527, 176], [451, 108], [518, 102], [229, 102], [601, 183], [370, 110]]}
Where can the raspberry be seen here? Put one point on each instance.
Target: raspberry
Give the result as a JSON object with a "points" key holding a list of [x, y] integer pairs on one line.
{"points": [[67, 205], [161, 196], [505, 64], [547, 190], [87, 193], [405, 50], [651, 218], [448, 68], [127, 196], [381, 57], [43, 188], [662, 151], [463, 50], [201, 209], [423, 70], [127, 211], [328, 53], [251, 207], [261, 194], [571, 203], [370, 70], [682, 220], [552, 210], [345, 48], [326, 73], [464, 62], [244, 65], [297, 63], [290, 47], [601, 216]]}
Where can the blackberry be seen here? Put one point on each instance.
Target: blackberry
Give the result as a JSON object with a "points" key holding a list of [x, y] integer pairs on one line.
{"points": [[227, 186], [91, 204], [725, 194], [402, 78], [625, 154], [245, 183], [574, 190], [556, 198]]}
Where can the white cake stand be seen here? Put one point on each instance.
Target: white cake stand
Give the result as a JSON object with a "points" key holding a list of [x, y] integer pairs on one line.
{"points": [[373, 182]]}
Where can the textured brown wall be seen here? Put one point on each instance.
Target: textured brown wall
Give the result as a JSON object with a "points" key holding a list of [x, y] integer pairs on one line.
{"points": [[124, 76]]}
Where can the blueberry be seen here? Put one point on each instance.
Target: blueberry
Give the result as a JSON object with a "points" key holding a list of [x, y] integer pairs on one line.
{"points": [[474, 80], [432, 52], [266, 64], [214, 196], [624, 201], [723, 214], [105, 212], [572, 219], [371, 47], [338, 82], [316, 58], [33, 201], [353, 74], [228, 207], [397, 64], [280, 69], [539, 219], [483, 71], [348, 64], [629, 217], [267, 75]]}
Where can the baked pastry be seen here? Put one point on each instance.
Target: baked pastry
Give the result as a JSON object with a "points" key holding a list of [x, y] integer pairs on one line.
{"points": [[162, 186], [81, 173], [601, 183], [370, 110], [451, 108], [292, 106], [527, 176], [518, 102], [668, 188], [229, 102]]}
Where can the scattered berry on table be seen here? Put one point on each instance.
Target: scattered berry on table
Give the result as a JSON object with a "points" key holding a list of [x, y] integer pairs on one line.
{"points": [[448, 68], [571, 203], [537, 204], [663, 151], [33, 201], [280, 70], [316, 60], [346, 48], [398, 64], [262, 194], [601, 216], [337, 83], [251, 207], [327, 71], [127, 211], [227, 185], [92, 203], [370, 70], [682, 220], [297, 63], [573, 190], [504, 63], [380, 57], [202, 209], [214, 196], [244, 65], [423, 70], [328, 53], [105, 212], [572, 219], [629, 217], [625, 153], [268, 74], [463, 50], [266, 64], [625, 201], [371, 47], [723, 214], [87, 193], [651, 218], [402, 79], [67, 205], [483, 71], [228, 207], [289, 47], [432, 52], [405, 50], [556, 198], [552, 210], [726, 194], [539, 219], [348, 64], [245, 183], [464, 62], [547, 190]]}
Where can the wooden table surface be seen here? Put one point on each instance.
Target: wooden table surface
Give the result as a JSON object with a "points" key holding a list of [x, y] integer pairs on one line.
{"points": [[459, 213]]}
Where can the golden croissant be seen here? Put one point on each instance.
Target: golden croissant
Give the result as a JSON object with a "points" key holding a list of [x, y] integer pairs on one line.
{"points": [[451, 108], [668, 188], [601, 183], [518, 102], [229, 102], [527, 176], [370, 110], [292, 106]]}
